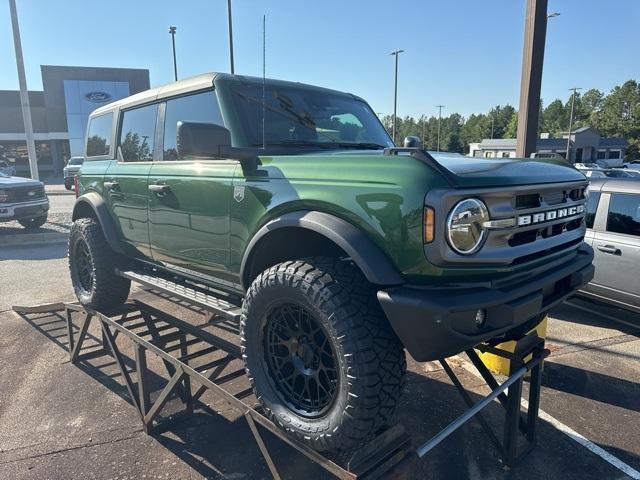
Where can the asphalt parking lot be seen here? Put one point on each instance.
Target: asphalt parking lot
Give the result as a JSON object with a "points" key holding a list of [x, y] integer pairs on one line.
{"points": [[59, 421]]}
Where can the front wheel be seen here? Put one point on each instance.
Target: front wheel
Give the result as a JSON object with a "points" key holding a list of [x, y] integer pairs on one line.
{"points": [[31, 223], [320, 354], [92, 266]]}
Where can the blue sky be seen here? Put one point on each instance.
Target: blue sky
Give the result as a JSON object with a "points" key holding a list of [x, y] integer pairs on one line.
{"points": [[465, 54]]}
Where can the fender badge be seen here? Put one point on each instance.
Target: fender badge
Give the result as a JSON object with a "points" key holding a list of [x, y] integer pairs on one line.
{"points": [[238, 193]]}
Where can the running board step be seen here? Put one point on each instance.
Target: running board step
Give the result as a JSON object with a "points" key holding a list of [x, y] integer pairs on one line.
{"points": [[197, 297]]}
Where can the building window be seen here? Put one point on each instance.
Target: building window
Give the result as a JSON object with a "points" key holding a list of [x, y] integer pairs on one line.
{"points": [[506, 154], [592, 206], [15, 154], [202, 107], [624, 214], [488, 154], [137, 134], [602, 154], [614, 154], [99, 135], [477, 153]]}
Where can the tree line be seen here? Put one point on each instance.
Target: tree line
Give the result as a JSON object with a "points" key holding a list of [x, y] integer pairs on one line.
{"points": [[616, 114]]}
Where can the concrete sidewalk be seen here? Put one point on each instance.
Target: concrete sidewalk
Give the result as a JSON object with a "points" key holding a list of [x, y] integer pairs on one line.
{"points": [[57, 189]]}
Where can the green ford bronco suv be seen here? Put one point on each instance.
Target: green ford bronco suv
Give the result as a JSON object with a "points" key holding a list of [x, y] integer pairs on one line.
{"points": [[334, 249]]}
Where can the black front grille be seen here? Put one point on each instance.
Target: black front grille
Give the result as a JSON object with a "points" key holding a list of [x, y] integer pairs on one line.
{"points": [[25, 194], [549, 197], [521, 238], [540, 254]]}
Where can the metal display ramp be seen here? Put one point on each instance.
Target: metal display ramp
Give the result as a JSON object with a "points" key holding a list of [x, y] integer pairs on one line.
{"points": [[197, 361]]}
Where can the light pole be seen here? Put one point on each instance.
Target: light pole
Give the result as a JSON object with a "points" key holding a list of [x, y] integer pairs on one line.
{"points": [[396, 54], [531, 79], [172, 31], [573, 99], [230, 36], [24, 94], [439, 107]]}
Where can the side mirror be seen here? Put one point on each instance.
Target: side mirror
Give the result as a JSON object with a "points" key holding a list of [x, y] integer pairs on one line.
{"points": [[198, 139], [412, 142]]}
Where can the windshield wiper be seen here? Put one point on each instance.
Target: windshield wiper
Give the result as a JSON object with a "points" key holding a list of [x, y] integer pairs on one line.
{"points": [[362, 145], [326, 145], [299, 143]]}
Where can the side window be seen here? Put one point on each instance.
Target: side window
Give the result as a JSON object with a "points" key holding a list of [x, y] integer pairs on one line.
{"points": [[592, 207], [624, 214], [137, 134], [201, 107], [99, 135]]}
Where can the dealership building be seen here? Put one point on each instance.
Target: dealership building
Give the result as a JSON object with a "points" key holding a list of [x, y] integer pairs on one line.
{"points": [[59, 113]]}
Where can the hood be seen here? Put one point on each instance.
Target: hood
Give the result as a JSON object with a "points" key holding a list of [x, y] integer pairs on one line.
{"points": [[8, 182], [495, 172], [470, 172]]}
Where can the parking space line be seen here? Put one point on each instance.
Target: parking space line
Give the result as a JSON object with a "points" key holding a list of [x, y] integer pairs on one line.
{"points": [[575, 436], [603, 315], [588, 444]]}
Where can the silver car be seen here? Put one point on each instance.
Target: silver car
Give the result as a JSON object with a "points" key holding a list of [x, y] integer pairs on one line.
{"points": [[613, 230], [71, 170]]}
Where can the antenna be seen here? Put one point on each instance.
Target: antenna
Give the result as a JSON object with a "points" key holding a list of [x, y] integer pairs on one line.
{"points": [[264, 73]]}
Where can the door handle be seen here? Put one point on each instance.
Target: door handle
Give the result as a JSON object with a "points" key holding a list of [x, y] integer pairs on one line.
{"points": [[609, 249], [111, 185], [159, 189]]}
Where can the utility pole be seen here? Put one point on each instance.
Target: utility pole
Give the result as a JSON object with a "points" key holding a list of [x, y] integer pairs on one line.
{"points": [[396, 54], [24, 94], [573, 100], [172, 31], [531, 81], [439, 107], [230, 36]]}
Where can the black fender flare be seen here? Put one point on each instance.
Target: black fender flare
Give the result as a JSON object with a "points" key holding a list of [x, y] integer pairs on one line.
{"points": [[97, 204], [369, 257]]}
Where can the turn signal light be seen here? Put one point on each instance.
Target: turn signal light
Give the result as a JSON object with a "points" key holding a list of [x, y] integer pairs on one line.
{"points": [[428, 224]]}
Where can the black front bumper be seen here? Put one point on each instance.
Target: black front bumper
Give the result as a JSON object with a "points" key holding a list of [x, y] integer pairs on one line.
{"points": [[435, 323]]}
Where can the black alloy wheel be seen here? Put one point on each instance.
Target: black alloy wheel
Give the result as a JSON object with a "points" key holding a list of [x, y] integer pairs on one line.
{"points": [[300, 360]]}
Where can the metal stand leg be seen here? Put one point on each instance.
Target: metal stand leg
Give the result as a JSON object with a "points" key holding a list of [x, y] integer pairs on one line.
{"points": [[514, 421], [263, 448]]}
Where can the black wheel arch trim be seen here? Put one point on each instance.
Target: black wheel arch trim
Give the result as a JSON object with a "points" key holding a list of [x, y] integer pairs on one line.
{"points": [[97, 204], [369, 257]]}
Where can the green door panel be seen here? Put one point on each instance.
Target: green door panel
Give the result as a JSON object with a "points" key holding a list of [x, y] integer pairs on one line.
{"points": [[189, 223], [128, 202]]}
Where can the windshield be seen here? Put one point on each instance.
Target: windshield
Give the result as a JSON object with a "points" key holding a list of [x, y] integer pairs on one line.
{"points": [[76, 161], [3, 175], [303, 117]]}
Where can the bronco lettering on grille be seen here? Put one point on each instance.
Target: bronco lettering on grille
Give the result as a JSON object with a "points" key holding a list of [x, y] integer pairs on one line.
{"points": [[549, 215]]}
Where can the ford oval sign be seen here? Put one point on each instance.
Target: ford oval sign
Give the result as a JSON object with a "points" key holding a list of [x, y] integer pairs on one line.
{"points": [[98, 97]]}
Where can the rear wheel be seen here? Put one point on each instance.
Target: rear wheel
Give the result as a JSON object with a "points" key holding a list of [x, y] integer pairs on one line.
{"points": [[320, 354], [92, 266], [35, 222]]}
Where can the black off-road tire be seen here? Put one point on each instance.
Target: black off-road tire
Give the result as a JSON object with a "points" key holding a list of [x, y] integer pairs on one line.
{"points": [[32, 223], [105, 290], [370, 359]]}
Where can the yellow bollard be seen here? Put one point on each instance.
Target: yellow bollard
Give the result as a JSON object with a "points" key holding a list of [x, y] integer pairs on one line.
{"points": [[501, 365]]}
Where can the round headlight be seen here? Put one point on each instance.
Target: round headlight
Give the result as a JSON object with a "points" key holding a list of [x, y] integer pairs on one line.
{"points": [[465, 226]]}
